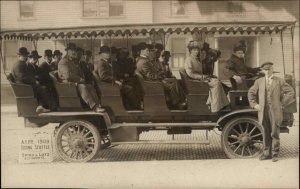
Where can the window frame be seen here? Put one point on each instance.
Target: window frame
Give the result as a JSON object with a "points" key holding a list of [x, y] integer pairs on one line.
{"points": [[34, 11], [103, 17], [176, 15], [184, 53]]}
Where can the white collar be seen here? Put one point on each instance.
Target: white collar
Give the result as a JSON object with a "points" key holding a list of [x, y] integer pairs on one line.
{"points": [[271, 77], [143, 56]]}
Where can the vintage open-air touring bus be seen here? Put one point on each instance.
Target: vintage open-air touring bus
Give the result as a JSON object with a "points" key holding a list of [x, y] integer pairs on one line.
{"points": [[81, 134]]}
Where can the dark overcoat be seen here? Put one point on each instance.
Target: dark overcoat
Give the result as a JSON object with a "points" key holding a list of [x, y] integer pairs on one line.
{"points": [[69, 71], [24, 73]]}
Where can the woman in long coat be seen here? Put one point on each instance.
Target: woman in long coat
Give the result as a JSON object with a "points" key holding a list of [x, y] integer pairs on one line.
{"points": [[217, 98]]}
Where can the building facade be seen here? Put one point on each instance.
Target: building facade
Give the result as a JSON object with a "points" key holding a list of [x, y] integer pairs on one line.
{"points": [[280, 47]]}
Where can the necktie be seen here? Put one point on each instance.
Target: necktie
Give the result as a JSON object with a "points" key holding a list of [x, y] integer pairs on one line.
{"points": [[268, 84]]}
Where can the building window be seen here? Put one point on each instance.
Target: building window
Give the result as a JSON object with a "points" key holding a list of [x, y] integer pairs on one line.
{"points": [[26, 9], [177, 8], [235, 7], [178, 52], [103, 8]]}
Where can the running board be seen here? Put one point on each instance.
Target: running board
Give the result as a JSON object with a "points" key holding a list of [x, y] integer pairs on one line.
{"points": [[202, 125], [206, 142], [284, 130]]}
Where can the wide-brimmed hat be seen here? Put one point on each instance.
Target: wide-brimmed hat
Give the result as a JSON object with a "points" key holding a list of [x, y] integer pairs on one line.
{"points": [[159, 46], [241, 46], [267, 65], [23, 51], [34, 54], [143, 45], [205, 46], [194, 44], [48, 53], [57, 53], [104, 49], [71, 46]]}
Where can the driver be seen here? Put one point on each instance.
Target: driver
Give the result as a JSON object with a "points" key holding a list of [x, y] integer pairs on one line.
{"points": [[236, 70]]}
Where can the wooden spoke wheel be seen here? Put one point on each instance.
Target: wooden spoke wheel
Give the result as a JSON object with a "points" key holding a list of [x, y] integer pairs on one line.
{"points": [[242, 137], [77, 141]]}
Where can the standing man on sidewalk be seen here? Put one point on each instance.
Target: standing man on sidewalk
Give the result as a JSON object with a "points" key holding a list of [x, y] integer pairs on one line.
{"points": [[268, 95]]}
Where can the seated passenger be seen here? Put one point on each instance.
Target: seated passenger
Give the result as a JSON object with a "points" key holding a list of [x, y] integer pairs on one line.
{"points": [[236, 69], [44, 70], [57, 55], [83, 58], [27, 73], [217, 98], [146, 68], [69, 71], [164, 61], [155, 51], [125, 72], [105, 71]]}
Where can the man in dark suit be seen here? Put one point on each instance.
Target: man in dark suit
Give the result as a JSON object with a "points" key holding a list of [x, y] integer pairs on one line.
{"points": [[103, 69], [125, 72], [150, 72], [57, 56], [85, 65], [269, 95], [27, 73], [69, 71], [44, 70], [164, 61]]}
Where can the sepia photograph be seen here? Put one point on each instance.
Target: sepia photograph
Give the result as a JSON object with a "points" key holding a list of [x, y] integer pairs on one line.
{"points": [[144, 94]]}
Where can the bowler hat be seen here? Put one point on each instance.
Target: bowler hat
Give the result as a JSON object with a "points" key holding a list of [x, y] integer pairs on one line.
{"points": [[48, 53], [88, 53], [57, 53], [79, 49], [34, 54], [159, 46], [267, 65], [104, 49], [113, 50], [166, 54], [123, 51], [23, 51], [71, 46]]}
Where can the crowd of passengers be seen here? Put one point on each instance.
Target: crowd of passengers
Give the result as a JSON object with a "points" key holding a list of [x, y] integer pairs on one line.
{"points": [[147, 61]]}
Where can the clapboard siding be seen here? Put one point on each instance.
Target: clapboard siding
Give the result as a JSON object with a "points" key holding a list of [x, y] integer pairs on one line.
{"points": [[69, 14], [217, 11]]}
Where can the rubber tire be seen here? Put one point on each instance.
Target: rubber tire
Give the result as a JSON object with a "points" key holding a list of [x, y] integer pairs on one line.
{"points": [[226, 131], [89, 126]]}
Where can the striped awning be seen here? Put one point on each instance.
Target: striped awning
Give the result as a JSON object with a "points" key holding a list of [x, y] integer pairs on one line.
{"points": [[143, 29]]}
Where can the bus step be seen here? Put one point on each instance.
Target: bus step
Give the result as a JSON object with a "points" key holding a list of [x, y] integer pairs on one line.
{"points": [[284, 130]]}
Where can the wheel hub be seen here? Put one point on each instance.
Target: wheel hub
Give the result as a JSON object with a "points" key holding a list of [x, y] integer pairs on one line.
{"points": [[244, 139], [76, 142]]}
